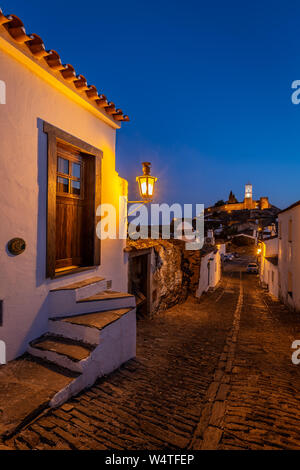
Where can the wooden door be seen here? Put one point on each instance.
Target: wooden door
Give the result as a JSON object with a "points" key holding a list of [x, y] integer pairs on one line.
{"points": [[73, 195], [70, 204]]}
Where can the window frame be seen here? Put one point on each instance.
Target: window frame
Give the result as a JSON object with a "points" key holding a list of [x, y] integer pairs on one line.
{"points": [[290, 230], [280, 230], [54, 137], [290, 284], [71, 159]]}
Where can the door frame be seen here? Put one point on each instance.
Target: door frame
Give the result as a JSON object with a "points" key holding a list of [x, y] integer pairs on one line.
{"points": [[148, 253], [55, 135]]}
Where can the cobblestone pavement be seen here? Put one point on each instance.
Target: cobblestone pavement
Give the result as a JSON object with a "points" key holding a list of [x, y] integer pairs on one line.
{"points": [[214, 374]]}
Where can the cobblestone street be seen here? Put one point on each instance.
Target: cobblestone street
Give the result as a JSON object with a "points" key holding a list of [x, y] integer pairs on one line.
{"points": [[214, 374]]}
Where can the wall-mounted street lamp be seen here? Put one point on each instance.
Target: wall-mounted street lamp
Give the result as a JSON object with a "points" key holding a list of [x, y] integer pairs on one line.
{"points": [[146, 184]]}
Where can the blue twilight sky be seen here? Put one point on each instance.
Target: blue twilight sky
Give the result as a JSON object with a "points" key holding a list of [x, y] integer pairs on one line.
{"points": [[207, 86]]}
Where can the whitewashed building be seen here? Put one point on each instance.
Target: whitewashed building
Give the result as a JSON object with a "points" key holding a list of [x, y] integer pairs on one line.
{"points": [[57, 164], [210, 268], [268, 270], [289, 255]]}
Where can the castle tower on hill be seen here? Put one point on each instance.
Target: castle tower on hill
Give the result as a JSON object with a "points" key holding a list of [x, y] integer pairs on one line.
{"points": [[247, 204], [248, 191]]}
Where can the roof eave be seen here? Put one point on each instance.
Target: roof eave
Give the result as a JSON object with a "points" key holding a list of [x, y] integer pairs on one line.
{"points": [[30, 50], [292, 206]]}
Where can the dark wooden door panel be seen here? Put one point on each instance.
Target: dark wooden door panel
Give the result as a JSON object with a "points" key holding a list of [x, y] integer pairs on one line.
{"points": [[69, 233]]}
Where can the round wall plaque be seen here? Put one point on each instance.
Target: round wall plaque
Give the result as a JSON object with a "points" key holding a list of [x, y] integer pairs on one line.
{"points": [[16, 246]]}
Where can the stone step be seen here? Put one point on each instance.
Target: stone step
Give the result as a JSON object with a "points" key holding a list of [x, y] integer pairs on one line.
{"points": [[64, 352], [80, 284], [106, 294], [85, 327], [81, 289], [100, 301], [88, 345], [114, 334]]}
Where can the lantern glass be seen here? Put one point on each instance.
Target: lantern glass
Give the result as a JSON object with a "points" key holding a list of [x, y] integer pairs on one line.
{"points": [[146, 186]]}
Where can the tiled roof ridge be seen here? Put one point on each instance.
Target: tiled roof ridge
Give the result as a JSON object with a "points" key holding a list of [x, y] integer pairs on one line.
{"points": [[290, 207], [14, 26]]}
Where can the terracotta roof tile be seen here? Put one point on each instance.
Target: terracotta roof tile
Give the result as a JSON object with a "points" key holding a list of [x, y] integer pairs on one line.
{"points": [[16, 29]]}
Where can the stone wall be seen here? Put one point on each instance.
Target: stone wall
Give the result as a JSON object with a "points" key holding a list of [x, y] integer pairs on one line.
{"points": [[175, 271], [170, 276]]}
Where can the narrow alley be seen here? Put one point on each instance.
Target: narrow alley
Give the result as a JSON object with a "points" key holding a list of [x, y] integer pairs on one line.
{"points": [[214, 374]]}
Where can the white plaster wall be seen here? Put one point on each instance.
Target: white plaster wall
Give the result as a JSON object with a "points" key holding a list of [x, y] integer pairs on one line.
{"points": [[23, 177], [289, 257], [266, 277], [209, 277], [262, 269], [203, 279], [271, 247], [215, 269]]}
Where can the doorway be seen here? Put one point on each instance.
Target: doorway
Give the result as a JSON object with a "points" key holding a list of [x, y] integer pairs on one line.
{"points": [[74, 188], [139, 280]]}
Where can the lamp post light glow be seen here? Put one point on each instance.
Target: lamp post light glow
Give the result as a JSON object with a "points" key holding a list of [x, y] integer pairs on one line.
{"points": [[146, 183], [259, 253]]}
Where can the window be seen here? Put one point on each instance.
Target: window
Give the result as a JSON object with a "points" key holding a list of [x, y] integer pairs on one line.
{"points": [[290, 235], [280, 230], [69, 179], [290, 253], [290, 284]]}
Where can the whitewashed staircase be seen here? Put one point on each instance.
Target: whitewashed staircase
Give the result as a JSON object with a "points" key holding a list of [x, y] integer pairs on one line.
{"points": [[91, 332]]}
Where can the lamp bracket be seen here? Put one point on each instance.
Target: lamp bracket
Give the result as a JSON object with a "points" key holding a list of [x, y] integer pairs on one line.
{"points": [[142, 203], [137, 202]]}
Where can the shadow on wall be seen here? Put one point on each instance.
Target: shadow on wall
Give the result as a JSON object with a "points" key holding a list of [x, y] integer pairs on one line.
{"points": [[42, 144], [37, 327], [40, 305]]}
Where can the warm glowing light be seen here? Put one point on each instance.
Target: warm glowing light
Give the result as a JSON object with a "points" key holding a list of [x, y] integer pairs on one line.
{"points": [[150, 188], [248, 190], [146, 182], [144, 188]]}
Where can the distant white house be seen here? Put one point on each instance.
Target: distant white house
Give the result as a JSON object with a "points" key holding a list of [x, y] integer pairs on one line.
{"points": [[280, 258], [289, 255], [269, 264], [211, 268]]}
